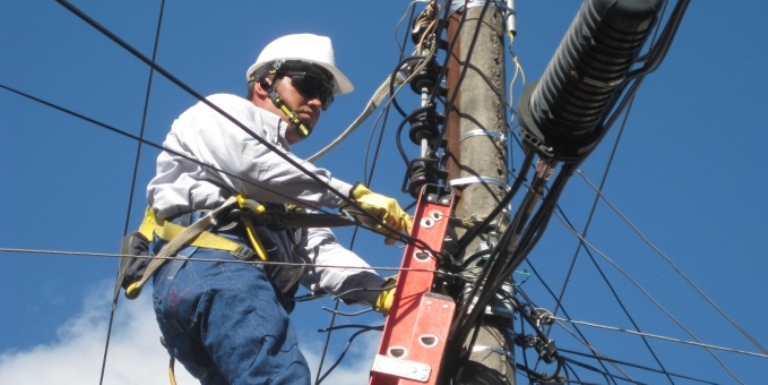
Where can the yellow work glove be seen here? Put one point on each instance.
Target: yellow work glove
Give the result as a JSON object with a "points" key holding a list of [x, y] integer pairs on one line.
{"points": [[385, 208], [384, 300]]}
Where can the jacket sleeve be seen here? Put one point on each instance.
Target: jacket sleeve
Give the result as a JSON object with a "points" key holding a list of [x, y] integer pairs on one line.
{"points": [[231, 159], [337, 270]]}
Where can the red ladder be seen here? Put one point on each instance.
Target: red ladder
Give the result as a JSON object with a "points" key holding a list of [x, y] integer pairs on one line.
{"points": [[416, 329]]}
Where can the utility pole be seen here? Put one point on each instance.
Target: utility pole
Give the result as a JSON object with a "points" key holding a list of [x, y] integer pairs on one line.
{"points": [[452, 311], [476, 140]]}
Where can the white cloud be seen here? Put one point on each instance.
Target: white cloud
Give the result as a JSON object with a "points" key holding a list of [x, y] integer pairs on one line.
{"points": [[135, 355]]}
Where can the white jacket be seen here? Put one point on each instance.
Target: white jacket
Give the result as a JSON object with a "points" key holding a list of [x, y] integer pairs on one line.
{"points": [[239, 163]]}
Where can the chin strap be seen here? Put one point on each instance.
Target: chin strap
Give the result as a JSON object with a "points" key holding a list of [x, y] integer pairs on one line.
{"points": [[301, 126]]}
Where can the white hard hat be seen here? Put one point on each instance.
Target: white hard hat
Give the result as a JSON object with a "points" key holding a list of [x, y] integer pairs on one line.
{"points": [[307, 48]]}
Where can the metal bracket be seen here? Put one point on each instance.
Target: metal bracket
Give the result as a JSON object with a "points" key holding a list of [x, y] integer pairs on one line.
{"points": [[411, 370], [437, 195]]}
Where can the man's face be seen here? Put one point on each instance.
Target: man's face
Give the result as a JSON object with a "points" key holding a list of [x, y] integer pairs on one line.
{"points": [[306, 96], [306, 108]]}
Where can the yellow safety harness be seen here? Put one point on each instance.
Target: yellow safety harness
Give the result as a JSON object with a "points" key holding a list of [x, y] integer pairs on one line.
{"points": [[197, 235]]}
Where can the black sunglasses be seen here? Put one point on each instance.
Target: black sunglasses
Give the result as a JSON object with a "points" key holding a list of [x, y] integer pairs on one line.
{"points": [[312, 86]]}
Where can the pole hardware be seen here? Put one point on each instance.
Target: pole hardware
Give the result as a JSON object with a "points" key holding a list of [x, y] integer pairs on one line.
{"points": [[422, 172], [425, 125], [562, 115]]}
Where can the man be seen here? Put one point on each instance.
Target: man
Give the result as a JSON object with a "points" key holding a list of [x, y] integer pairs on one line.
{"points": [[228, 322]]}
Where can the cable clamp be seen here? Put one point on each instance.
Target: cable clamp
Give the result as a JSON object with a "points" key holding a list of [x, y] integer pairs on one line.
{"points": [[542, 316]]}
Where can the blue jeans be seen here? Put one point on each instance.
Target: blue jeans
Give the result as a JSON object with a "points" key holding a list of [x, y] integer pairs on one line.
{"points": [[225, 322]]}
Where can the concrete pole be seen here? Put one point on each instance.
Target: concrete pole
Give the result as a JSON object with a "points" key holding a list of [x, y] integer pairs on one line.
{"points": [[475, 135]]}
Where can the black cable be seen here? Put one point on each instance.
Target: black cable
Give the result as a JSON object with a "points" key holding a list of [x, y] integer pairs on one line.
{"points": [[224, 114], [392, 92], [477, 230], [148, 143], [495, 272], [363, 329], [661, 47], [116, 294], [327, 343], [528, 300], [629, 364], [581, 246], [490, 280], [555, 298]]}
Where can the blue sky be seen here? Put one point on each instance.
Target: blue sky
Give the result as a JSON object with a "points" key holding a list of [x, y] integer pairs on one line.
{"points": [[688, 172]]}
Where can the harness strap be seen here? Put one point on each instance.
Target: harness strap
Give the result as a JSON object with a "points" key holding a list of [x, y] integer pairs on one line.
{"points": [[169, 231], [197, 234], [180, 237]]}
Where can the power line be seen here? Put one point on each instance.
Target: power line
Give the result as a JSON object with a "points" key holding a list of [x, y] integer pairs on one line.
{"points": [[116, 293], [664, 338], [646, 294], [671, 263]]}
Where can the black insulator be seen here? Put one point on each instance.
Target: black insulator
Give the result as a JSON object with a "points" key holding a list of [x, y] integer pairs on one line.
{"points": [[425, 125], [562, 114], [421, 172], [428, 78]]}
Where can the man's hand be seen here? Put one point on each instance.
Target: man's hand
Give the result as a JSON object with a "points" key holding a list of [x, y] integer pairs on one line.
{"points": [[386, 209], [384, 300]]}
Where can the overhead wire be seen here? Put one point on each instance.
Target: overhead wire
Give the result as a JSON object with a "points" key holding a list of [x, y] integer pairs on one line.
{"points": [[630, 364], [558, 302], [674, 266], [481, 302], [582, 338], [327, 343], [651, 298], [17, 250], [588, 222], [132, 189], [177, 82], [144, 141], [663, 338]]}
